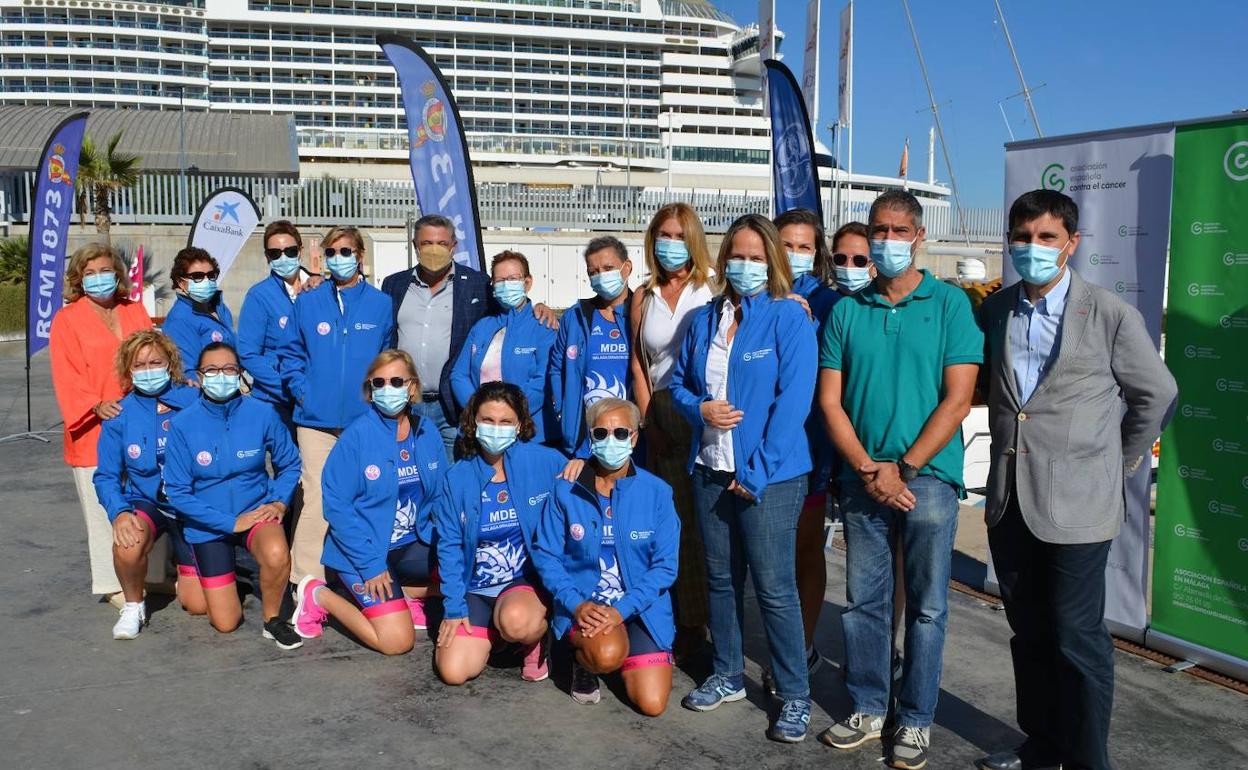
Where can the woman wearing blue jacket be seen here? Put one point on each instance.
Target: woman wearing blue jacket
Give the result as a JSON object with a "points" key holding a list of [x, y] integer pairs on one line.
{"points": [[607, 550], [379, 484], [806, 244], [199, 315], [217, 480], [512, 347], [745, 382], [486, 517], [127, 479]]}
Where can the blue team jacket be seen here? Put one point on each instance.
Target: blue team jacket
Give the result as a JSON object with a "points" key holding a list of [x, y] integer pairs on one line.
{"points": [[215, 464], [569, 359], [127, 468], [647, 545], [267, 309], [771, 378], [526, 357], [361, 490], [191, 326], [325, 352], [531, 470]]}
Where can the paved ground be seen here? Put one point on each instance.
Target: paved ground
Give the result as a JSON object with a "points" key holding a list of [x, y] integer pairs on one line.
{"points": [[183, 696]]}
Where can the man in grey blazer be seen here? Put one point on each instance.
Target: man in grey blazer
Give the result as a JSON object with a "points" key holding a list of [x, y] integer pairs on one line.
{"points": [[1076, 396]]}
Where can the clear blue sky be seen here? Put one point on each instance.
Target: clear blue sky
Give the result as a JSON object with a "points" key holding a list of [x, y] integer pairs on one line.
{"points": [[1104, 63]]}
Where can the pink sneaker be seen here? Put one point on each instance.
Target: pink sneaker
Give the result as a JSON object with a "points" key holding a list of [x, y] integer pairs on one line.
{"points": [[417, 608], [309, 617], [535, 668]]}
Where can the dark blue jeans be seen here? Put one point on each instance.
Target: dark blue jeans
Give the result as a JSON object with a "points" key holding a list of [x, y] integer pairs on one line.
{"points": [[760, 536], [926, 537]]}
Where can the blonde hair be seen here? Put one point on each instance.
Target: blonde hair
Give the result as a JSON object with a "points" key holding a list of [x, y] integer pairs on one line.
{"points": [[695, 241], [385, 358], [352, 234], [78, 264], [779, 273], [134, 344]]}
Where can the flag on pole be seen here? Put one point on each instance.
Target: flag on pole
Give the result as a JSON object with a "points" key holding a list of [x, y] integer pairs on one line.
{"points": [[766, 43], [903, 170], [795, 178], [223, 223], [136, 275], [810, 65], [845, 84]]}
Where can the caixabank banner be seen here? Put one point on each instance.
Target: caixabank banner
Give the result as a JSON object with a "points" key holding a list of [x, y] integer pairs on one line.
{"points": [[1200, 574]]}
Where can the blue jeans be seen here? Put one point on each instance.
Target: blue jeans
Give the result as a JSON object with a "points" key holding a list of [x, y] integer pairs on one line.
{"points": [[432, 411], [761, 536], [926, 536]]}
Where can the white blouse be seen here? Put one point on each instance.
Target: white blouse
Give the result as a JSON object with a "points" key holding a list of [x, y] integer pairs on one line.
{"points": [[663, 329], [716, 452]]}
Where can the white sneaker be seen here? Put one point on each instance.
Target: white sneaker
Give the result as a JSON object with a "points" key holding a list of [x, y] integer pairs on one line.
{"points": [[133, 618]]}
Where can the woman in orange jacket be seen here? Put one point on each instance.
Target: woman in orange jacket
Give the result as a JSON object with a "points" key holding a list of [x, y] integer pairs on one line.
{"points": [[84, 340]]}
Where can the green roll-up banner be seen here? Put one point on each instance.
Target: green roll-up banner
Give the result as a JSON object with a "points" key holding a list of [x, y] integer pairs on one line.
{"points": [[1200, 573]]}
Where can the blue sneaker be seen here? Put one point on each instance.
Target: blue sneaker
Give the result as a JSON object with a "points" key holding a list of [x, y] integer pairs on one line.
{"points": [[715, 690], [790, 726]]}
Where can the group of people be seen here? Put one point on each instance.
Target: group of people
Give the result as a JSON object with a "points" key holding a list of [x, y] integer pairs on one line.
{"points": [[443, 448]]}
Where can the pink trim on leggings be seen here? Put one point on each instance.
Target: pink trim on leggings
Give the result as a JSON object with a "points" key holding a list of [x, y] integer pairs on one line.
{"points": [[252, 532], [521, 587], [187, 570], [217, 581], [385, 608], [477, 632], [648, 660], [151, 525]]}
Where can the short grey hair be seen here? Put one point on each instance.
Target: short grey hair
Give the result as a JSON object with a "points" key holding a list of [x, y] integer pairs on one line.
{"points": [[605, 405], [898, 200], [434, 220]]}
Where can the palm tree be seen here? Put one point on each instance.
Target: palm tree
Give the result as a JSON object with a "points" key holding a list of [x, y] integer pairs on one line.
{"points": [[14, 256], [100, 173]]}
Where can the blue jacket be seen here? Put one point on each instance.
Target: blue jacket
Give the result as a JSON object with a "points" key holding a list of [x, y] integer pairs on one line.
{"points": [[325, 352], [531, 475], [472, 300], [361, 490], [127, 468], [215, 464], [261, 326], [526, 357], [191, 326], [771, 378], [569, 360], [647, 545]]}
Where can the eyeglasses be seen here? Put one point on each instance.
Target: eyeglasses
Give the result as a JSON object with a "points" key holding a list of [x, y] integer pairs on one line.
{"points": [[620, 434], [345, 251], [228, 371], [394, 382], [200, 275], [859, 260], [289, 251]]}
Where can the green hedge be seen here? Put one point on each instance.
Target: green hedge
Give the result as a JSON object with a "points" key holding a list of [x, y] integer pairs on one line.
{"points": [[12, 308]]}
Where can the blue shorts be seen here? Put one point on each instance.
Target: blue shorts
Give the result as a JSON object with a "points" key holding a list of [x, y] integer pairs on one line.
{"points": [[215, 558], [162, 524], [481, 609], [409, 565], [643, 650]]}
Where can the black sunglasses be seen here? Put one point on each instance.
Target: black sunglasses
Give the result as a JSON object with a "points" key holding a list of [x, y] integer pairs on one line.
{"points": [[200, 275], [842, 260], [621, 434], [395, 382], [289, 251], [345, 251]]}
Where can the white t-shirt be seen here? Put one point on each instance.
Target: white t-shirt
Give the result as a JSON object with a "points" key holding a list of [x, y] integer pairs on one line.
{"points": [[663, 329], [716, 452]]}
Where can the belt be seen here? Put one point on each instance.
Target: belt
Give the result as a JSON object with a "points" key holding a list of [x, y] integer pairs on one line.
{"points": [[430, 395]]}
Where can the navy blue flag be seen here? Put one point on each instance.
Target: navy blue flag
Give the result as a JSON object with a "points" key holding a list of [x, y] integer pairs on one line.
{"points": [[793, 167], [438, 149], [49, 225]]}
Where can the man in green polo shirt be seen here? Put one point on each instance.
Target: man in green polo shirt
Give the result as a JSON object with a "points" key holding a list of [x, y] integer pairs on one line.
{"points": [[898, 363]]}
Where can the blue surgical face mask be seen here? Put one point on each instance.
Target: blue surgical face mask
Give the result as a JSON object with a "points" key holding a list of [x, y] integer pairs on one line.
{"points": [[611, 451], [100, 285], [747, 278], [150, 381], [495, 439], [201, 291], [672, 254], [607, 284], [342, 268], [284, 267], [853, 279], [801, 263], [1036, 264], [390, 400], [891, 258], [220, 387], [510, 293]]}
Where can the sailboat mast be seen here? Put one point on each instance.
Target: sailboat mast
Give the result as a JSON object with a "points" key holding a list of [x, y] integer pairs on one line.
{"points": [[1009, 41]]}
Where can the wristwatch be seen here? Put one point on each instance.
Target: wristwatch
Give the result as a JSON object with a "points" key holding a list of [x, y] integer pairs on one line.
{"points": [[908, 472]]}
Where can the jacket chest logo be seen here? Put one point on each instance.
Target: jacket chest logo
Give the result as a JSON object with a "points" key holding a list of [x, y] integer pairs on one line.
{"points": [[756, 355], [216, 336], [640, 534], [204, 458], [363, 327], [372, 473], [322, 328], [572, 351], [134, 450], [243, 454], [538, 498], [524, 351], [577, 532], [281, 322]]}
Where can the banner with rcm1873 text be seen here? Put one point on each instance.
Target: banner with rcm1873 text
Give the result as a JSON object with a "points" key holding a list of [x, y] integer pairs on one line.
{"points": [[1200, 575]]}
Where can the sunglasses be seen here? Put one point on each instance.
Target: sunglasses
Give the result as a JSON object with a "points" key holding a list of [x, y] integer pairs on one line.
{"points": [[345, 251], [200, 275], [621, 434], [289, 251], [394, 382], [228, 371], [843, 260]]}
